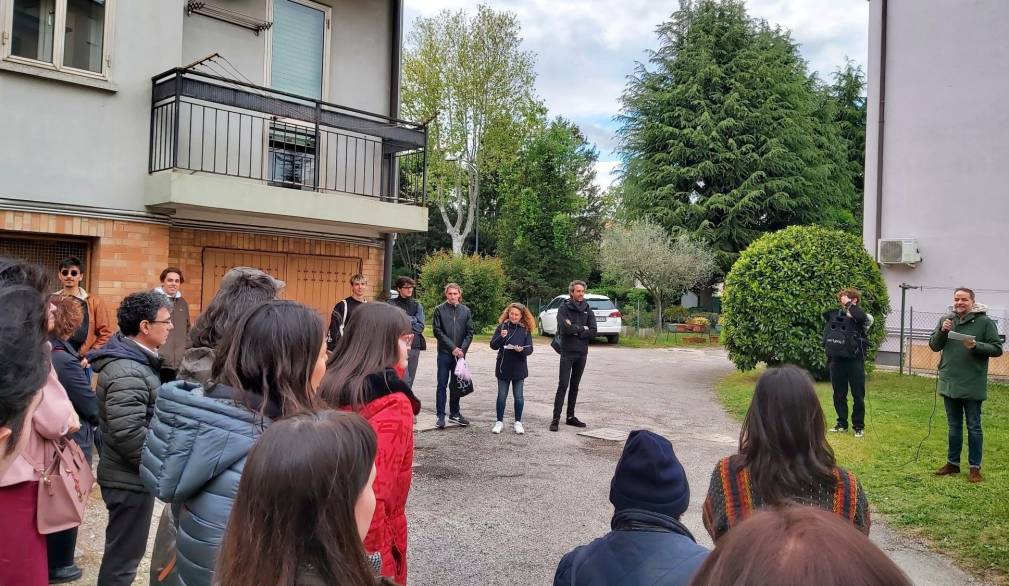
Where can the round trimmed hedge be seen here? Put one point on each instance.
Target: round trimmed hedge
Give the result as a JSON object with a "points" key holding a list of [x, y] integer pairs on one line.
{"points": [[781, 285]]}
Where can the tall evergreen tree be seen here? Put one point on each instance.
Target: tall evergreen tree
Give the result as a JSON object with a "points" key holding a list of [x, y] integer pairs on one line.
{"points": [[724, 136], [551, 212], [847, 93]]}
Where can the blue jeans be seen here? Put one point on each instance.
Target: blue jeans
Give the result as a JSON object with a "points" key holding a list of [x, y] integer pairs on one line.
{"points": [[446, 364], [956, 411], [502, 396]]}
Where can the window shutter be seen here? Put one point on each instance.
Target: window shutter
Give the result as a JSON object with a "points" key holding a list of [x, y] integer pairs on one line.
{"points": [[298, 43]]}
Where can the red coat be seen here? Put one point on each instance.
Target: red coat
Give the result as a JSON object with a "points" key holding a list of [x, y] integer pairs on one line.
{"points": [[390, 409]]}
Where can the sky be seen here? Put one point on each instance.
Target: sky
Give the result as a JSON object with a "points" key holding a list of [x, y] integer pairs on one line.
{"points": [[585, 49]]}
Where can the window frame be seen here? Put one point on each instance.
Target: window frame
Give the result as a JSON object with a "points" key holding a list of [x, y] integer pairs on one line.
{"points": [[326, 45], [59, 41]]}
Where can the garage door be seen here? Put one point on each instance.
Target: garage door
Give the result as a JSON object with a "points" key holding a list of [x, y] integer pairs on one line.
{"points": [[317, 281]]}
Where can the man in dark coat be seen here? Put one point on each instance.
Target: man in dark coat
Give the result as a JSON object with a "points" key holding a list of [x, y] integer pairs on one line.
{"points": [[128, 370], [647, 545], [173, 350], [576, 325], [967, 338], [453, 327], [405, 287], [340, 316]]}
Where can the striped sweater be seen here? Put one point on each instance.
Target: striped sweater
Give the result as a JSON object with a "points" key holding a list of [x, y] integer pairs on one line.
{"points": [[731, 499]]}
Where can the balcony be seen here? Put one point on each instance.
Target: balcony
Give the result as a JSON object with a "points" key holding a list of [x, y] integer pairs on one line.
{"points": [[227, 151]]}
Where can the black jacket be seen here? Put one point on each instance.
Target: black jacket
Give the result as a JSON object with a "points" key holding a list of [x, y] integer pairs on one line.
{"points": [[861, 319], [67, 363], [453, 326], [511, 365], [128, 381], [336, 320], [575, 337], [643, 548], [415, 311]]}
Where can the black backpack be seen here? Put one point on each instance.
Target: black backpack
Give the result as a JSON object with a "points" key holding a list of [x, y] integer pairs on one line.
{"points": [[842, 337]]}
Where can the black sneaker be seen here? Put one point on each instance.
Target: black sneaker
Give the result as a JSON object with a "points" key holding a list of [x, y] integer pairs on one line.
{"points": [[574, 421], [838, 429], [440, 424], [70, 573], [554, 425], [859, 432], [462, 421]]}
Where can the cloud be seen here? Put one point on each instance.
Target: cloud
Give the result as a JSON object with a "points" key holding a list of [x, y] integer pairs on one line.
{"points": [[586, 49]]}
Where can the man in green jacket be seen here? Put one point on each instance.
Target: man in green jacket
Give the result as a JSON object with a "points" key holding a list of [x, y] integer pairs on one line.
{"points": [[963, 376]]}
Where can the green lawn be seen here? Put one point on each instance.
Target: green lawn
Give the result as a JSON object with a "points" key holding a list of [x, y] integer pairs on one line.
{"points": [[666, 340], [968, 522]]}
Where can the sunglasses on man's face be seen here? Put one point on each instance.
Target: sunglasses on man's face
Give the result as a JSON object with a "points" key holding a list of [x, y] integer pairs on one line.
{"points": [[70, 272]]}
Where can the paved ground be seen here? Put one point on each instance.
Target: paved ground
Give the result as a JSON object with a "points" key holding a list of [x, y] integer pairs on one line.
{"points": [[503, 509]]}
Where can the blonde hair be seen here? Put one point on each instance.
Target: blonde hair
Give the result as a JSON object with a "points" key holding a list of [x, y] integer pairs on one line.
{"points": [[527, 317]]}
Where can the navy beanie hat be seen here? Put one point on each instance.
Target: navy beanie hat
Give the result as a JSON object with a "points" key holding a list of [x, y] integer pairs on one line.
{"points": [[649, 477]]}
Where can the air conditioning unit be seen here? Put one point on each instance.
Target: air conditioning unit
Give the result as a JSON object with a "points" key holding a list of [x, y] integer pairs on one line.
{"points": [[898, 251]]}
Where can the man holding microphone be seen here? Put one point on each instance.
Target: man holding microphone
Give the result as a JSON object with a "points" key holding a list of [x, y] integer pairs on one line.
{"points": [[967, 339]]}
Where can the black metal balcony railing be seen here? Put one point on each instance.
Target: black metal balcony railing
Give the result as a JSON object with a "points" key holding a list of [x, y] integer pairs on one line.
{"points": [[211, 124]]}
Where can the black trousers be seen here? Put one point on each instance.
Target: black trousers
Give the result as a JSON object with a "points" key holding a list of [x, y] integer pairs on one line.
{"points": [[572, 367], [125, 536], [845, 373]]}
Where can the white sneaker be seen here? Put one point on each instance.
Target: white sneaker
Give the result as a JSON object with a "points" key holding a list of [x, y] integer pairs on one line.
{"points": [[498, 427], [518, 428]]}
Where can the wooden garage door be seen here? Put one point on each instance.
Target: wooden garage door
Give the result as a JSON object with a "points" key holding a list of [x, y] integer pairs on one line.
{"points": [[316, 281]]}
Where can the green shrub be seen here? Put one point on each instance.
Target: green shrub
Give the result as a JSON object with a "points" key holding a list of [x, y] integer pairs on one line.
{"points": [[676, 314], [779, 288], [482, 280]]}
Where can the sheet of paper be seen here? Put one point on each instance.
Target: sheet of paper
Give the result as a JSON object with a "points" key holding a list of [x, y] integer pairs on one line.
{"points": [[958, 336]]}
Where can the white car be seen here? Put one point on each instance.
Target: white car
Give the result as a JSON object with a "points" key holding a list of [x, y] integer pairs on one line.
{"points": [[608, 320]]}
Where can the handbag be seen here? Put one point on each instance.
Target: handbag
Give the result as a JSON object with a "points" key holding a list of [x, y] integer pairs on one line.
{"points": [[64, 486], [556, 343], [460, 386]]}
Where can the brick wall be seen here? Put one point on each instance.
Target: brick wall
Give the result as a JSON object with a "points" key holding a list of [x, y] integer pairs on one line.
{"points": [[186, 251], [125, 256]]}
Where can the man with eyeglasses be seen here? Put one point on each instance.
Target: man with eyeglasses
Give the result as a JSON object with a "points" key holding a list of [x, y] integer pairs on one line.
{"points": [[95, 330], [405, 287], [128, 379]]}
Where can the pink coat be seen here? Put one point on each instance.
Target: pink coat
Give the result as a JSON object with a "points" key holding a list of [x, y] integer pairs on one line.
{"points": [[51, 421]]}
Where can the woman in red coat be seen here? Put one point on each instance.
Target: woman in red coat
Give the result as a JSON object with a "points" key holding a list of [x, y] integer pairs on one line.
{"points": [[365, 374]]}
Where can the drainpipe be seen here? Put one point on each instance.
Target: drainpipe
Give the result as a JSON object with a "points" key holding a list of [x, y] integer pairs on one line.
{"points": [[880, 128], [395, 57]]}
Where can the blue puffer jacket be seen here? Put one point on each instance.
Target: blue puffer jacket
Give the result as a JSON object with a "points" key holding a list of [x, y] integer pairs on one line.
{"points": [[644, 549], [193, 458]]}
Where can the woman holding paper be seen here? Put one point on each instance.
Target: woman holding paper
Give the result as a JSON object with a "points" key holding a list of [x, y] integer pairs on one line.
{"points": [[513, 339]]}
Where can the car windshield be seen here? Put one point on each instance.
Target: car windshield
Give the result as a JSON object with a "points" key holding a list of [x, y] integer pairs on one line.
{"points": [[600, 304]]}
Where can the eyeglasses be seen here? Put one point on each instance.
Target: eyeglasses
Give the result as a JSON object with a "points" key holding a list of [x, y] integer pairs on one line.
{"points": [[159, 321], [70, 272], [407, 287]]}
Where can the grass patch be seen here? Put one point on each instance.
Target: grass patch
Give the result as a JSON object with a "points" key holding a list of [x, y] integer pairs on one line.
{"points": [[667, 340], [966, 521]]}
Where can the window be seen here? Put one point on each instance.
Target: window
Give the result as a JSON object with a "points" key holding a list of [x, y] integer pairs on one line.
{"points": [[298, 48], [600, 304], [63, 35]]}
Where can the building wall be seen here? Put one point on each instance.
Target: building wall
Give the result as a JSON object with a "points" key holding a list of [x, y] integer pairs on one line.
{"points": [[360, 35], [75, 145], [78, 145], [945, 147], [126, 256]]}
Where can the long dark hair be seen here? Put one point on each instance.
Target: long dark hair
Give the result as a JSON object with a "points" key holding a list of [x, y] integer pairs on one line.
{"points": [[24, 354], [233, 300], [369, 346], [783, 442], [295, 503], [271, 352], [796, 546]]}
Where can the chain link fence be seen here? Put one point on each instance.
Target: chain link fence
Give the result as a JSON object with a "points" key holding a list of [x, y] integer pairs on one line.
{"points": [[917, 314]]}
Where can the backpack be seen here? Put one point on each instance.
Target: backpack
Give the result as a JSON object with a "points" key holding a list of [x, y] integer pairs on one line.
{"points": [[842, 337]]}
